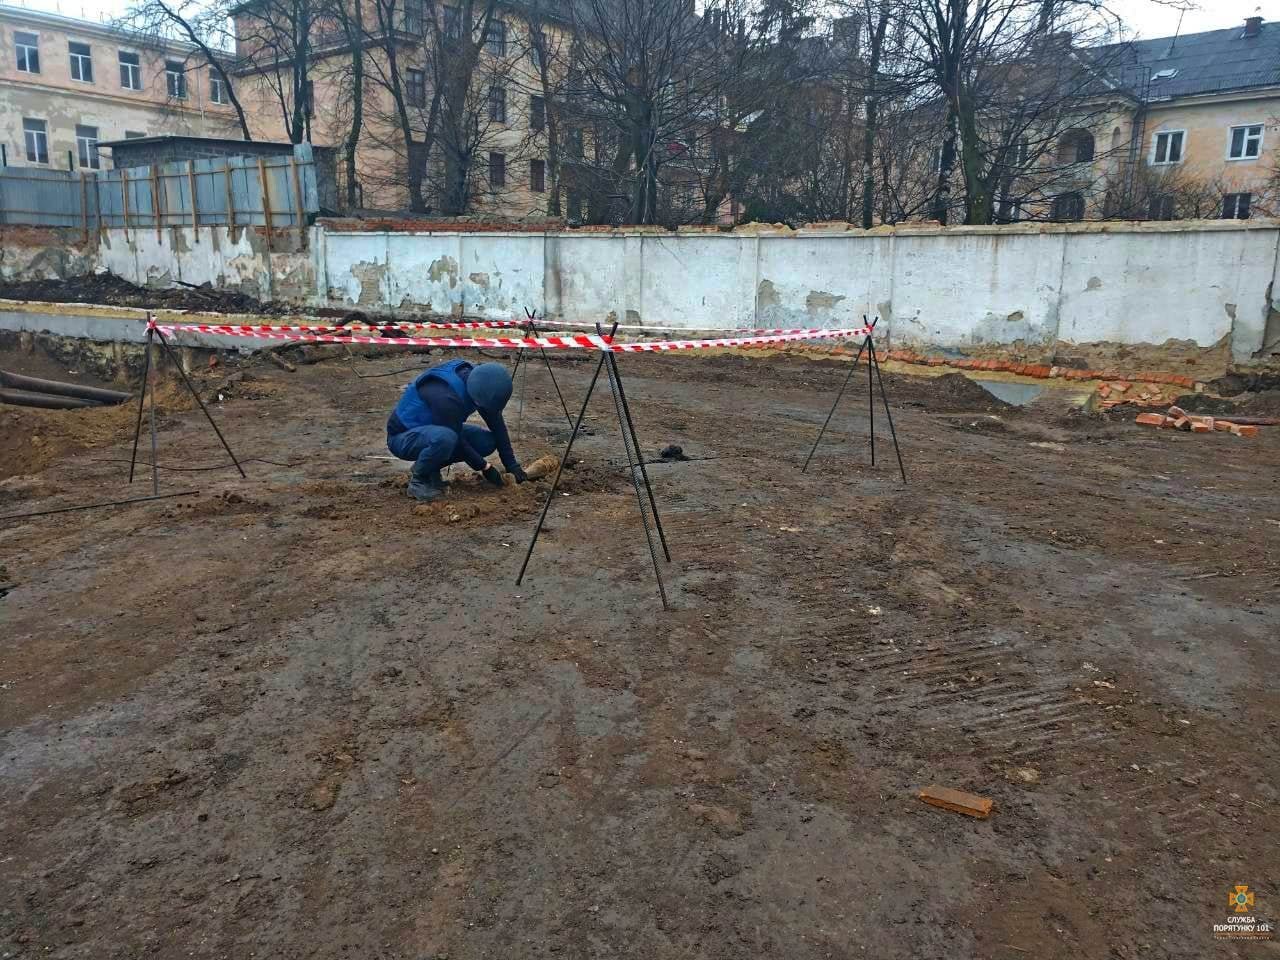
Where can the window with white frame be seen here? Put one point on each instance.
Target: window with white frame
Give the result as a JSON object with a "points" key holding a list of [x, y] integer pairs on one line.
{"points": [[35, 133], [1235, 206], [87, 147], [1167, 146], [130, 70], [1245, 143], [81, 61], [217, 89], [27, 47], [175, 77]]}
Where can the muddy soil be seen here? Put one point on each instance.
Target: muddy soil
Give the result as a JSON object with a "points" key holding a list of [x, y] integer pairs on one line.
{"points": [[300, 716]]}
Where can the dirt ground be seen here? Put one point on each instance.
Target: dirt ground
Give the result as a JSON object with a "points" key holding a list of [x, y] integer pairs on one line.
{"points": [[297, 716]]}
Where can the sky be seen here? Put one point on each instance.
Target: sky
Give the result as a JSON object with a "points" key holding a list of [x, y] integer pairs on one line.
{"points": [[1145, 18]]}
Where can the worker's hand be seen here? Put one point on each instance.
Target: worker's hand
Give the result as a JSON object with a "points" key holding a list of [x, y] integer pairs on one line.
{"points": [[519, 474], [491, 474]]}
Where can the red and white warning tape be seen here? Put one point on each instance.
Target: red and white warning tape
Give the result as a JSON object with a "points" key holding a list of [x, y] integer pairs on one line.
{"points": [[544, 326], [577, 341]]}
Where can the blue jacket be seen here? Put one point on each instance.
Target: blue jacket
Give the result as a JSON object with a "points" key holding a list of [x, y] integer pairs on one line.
{"points": [[413, 412], [453, 405]]}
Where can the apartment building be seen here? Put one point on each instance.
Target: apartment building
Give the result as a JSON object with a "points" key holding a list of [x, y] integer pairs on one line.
{"points": [[1193, 131], [66, 85]]}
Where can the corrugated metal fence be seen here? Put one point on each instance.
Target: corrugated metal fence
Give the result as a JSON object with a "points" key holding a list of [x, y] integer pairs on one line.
{"points": [[277, 193]]}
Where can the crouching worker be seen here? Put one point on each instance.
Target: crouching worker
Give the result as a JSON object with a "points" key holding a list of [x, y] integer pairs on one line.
{"points": [[428, 425]]}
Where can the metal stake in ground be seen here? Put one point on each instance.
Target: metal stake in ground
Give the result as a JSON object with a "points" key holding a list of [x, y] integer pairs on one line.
{"points": [[635, 480], [155, 461], [635, 439], [871, 396], [142, 398], [195, 393], [532, 317], [555, 484], [839, 394], [875, 364]]}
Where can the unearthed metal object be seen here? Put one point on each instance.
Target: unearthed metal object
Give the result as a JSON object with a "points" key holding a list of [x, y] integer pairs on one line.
{"points": [[49, 401], [37, 385]]}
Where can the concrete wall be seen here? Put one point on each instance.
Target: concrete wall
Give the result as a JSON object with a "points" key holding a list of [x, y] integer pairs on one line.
{"points": [[1187, 287], [239, 258], [1183, 297]]}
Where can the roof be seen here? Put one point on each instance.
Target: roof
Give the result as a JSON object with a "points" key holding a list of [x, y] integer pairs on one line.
{"points": [[108, 29], [183, 138], [1216, 61]]}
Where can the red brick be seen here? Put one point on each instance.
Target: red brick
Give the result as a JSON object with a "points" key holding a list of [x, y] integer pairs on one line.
{"points": [[1242, 430], [958, 801], [1151, 419]]}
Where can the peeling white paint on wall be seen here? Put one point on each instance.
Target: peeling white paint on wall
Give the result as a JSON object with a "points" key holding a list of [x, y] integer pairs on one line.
{"points": [[934, 289], [939, 288]]}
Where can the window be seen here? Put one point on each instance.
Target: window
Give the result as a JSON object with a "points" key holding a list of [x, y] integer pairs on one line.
{"points": [[537, 46], [217, 89], [1168, 147], [1235, 206], [27, 46], [495, 41], [36, 135], [417, 87], [452, 23], [130, 70], [87, 147], [1246, 142], [1068, 206], [414, 17], [538, 176], [537, 113], [497, 169], [573, 142], [133, 135], [81, 62], [1083, 144], [175, 77], [497, 104], [1162, 207]]}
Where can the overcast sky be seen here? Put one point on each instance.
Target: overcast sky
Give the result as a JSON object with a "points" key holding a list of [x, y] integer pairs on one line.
{"points": [[1145, 18]]}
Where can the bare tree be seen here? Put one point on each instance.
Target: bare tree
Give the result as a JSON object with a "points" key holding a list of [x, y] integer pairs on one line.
{"points": [[274, 42], [646, 80], [194, 23], [1011, 82]]}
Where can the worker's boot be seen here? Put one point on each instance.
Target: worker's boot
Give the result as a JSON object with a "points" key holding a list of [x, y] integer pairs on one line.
{"points": [[426, 489]]}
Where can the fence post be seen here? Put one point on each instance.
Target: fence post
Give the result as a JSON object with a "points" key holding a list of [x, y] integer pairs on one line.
{"points": [[266, 199], [300, 214], [231, 200], [84, 207], [195, 208], [155, 202], [124, 199]]}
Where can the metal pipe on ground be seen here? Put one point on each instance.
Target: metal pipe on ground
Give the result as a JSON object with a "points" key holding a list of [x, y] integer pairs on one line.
{"points": [[49, 401], [37, 385]]}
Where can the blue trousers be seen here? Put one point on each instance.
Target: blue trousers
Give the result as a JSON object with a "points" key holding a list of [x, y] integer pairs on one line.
{"points": [[432, 447]]}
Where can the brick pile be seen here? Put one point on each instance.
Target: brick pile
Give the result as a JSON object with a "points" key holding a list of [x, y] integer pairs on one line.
{"points": [[1178, 419]]}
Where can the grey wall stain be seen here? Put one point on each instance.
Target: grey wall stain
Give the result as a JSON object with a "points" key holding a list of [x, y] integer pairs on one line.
{"points": [[767, 294], [445, 266], [1095, 283], [819, 301]]}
